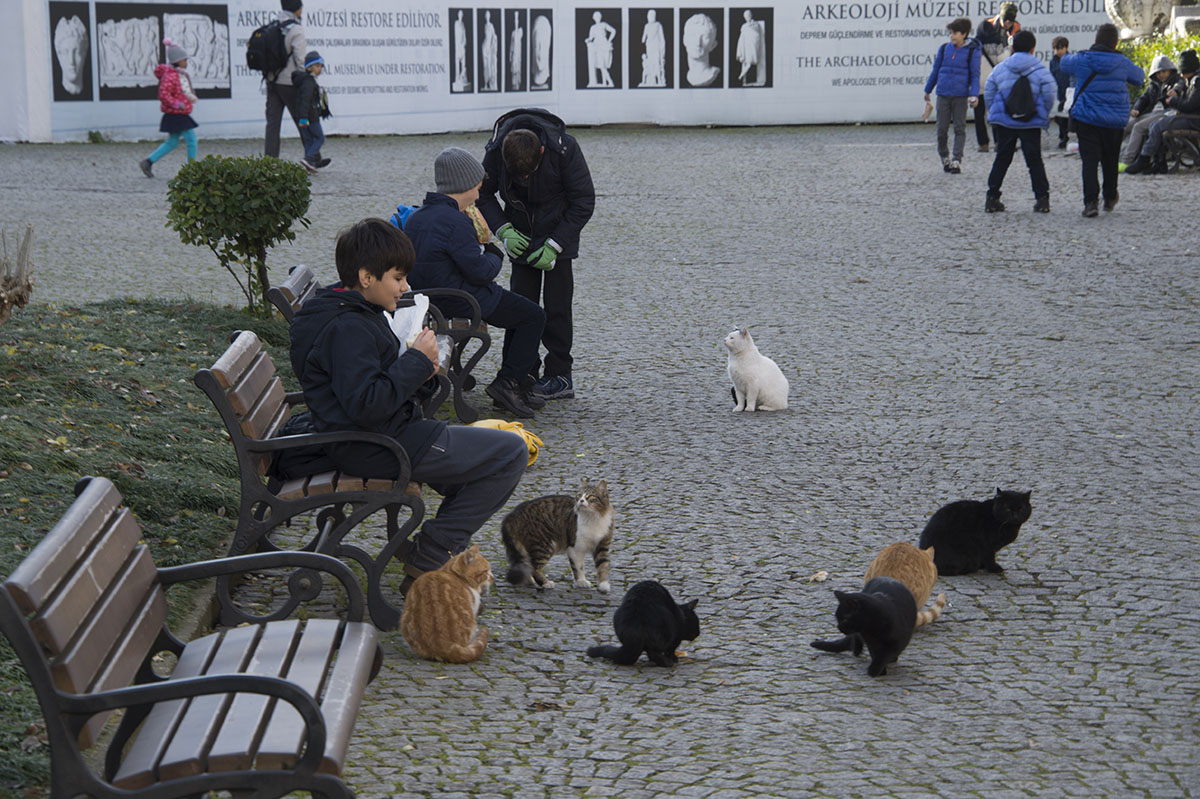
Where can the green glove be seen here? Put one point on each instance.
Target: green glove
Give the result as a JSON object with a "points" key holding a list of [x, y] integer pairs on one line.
{"points": [[543, 258], [514, 240]]}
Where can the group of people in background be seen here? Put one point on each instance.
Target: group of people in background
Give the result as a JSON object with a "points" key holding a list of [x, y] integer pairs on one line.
{"points": [[1086, 92]]}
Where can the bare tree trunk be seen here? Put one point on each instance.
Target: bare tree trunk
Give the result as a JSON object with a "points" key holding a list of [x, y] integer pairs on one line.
{"points": [[15, 289]]}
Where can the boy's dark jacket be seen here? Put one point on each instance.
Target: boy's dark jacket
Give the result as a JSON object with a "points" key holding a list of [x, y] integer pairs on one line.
{"points": [[560, 197], [448, 253], [308, 96], [353, 376], [1187, 101]]}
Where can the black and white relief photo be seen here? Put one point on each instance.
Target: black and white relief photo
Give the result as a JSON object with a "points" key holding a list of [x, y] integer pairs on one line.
{"points": [[541, 49], [750, 32], [203, 30], [71, 43], [651, 48], [462, 63], [487, 37], [598, 48], [702, 48], [516, 50], [128, 48]]}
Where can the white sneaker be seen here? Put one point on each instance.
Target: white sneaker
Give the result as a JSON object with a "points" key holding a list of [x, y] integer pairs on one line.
{"points": [[1072, 147]]}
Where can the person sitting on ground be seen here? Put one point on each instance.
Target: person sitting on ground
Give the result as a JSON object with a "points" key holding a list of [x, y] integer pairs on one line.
{"points": [[355, 377], [955, 75], [448, 255], [1184, 99]]}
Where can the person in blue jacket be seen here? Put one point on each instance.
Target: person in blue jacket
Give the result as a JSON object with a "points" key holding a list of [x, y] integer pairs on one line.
{"points": [[355, 377], [1028, 132], [1100, 110], [448, 255], [955, 74]]}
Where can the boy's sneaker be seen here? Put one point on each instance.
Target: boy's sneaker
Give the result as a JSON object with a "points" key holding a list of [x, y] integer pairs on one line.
{"points": [[1042, 204], [311, 167], [1090, 209], [1111, 204], [946, 164], [557, 387], [505, 392], [1121, 167], [147, 167], [323, 162], [993, 204], [983, 148], [955, 168]]}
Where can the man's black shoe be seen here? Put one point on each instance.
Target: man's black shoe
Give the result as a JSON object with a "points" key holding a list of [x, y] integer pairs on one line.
{"points": [[993, 204], [1140, 165], [506, 394], [528, 396], [1091, 209], [1111, 204], [1042, 204]]}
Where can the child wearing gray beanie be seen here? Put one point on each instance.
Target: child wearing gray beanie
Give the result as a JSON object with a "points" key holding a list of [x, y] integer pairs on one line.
{"points": [[175, 97], [455, 171]]}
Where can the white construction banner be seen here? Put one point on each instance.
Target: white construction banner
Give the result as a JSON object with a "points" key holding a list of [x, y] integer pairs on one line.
{"points": [[411, 66]]}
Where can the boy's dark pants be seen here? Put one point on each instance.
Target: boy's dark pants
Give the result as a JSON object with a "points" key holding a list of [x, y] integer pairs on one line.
{"points": [[981, 134], [1031, 146], [1099, 147], [523, 322], [557, 290], [1064, 124]]}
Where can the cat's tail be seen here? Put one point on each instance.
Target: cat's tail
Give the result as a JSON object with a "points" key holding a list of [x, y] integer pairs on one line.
{"points": [[622, 655], [466, 653], [520, 569], [844, 644], [930, 614]]}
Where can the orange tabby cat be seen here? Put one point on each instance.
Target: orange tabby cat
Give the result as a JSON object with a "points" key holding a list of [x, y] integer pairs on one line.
{"points": [[440, 611], [913, 567]]}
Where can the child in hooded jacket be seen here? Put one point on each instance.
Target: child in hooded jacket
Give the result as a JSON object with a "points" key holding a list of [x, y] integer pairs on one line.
{"points": [[175, 97], [1150, 107]]}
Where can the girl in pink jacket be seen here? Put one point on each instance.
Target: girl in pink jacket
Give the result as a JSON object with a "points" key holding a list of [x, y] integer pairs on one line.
{"points": [[176, 97]]}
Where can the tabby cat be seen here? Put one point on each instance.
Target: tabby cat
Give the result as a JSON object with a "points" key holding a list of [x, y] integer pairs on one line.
{"points": [[915, 568], [967, 534], [440, 611], [540, 528], [883, 617], [649, 620]]}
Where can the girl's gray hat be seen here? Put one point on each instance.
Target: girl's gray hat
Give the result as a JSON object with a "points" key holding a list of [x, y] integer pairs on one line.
{"points": [[455, 170], [175, 51]]}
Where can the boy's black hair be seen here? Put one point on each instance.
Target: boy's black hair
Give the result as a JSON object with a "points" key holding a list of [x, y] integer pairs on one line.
{"points": [[1024, 41], [522, 152], [961, 25], [375, 245], [1108, 35], [1059, 43]]}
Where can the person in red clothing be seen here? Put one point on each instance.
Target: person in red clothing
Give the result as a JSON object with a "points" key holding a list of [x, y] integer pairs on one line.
{"points": [[176, 97]]}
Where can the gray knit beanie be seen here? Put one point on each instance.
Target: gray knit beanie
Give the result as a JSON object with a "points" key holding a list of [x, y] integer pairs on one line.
{"points": [[175, 51], [455, 170]]}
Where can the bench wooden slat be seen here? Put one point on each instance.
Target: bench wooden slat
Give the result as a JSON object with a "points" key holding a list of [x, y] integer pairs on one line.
{"points": [[184, 755], [39, 574], [280, 747], [93, 645], [233, 362], [234, 745], [344, 692], [119, 671], [250, 386], [323, 483], [137, 769], [61, 616], [268, 414]]}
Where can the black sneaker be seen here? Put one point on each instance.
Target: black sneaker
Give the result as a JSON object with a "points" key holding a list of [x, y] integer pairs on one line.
{"points": [[1111, 204], [993, 204], [311, 167], [1091, 209], [146, 165], [528, 396], [1140, 165], [1042, 204], [955, 168], [946, 164], [323, 162], [506, 394]]}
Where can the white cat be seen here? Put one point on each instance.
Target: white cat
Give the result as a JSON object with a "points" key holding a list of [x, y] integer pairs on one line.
{"points": [[758, 383]]}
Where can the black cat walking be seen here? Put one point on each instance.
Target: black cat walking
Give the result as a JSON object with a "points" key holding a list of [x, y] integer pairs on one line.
{"points": [[882, 616], [967, 534], [649, 620]]}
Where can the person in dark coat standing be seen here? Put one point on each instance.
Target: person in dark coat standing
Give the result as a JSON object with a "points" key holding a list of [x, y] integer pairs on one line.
{"points": [[994, 35], [1101, 108], [281, 93], [537, 196]]}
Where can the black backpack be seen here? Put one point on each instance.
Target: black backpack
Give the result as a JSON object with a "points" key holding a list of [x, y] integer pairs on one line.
{"points": [[1019, 104], [266, 49]]}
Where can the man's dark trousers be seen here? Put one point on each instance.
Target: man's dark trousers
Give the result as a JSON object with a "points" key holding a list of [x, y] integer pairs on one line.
{"points": [[279, 97], [557, 289], [1006, 147], [1099, 147]]}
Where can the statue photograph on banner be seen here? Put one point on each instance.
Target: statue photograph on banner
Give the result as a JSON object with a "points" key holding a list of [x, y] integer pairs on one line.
{"points": [[651, 48], [750, 29], [541, 50], [462, 62], [598, 48], [701, 48], [70, 39], [487, 23], [516, 60]]}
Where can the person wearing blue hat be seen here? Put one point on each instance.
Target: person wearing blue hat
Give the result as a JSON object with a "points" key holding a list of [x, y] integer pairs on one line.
{"points": [[312, 106]]}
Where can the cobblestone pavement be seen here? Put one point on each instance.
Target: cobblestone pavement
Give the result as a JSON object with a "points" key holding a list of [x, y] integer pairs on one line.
{"points": [[934, 353]]}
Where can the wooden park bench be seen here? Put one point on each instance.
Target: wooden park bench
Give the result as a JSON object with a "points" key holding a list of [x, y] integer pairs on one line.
{"points": [[1183, 148], [301, 283], [251, 401], [262, 709]]}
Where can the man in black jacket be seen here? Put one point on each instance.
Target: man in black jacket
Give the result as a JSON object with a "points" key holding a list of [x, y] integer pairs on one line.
{"points": [[1186, 103], [534, 167], [995, 37], [355, 377]]}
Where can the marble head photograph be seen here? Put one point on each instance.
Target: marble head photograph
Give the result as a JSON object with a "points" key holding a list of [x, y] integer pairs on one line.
{"points": [[70, 41], [701, 48]]}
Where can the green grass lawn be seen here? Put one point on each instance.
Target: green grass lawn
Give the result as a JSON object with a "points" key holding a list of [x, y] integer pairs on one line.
{"points": [[106, 389]]}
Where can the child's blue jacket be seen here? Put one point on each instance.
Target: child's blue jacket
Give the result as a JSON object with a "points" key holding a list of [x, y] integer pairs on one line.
{"points": [[1104, 102], [1000, 83], [955, 70]]}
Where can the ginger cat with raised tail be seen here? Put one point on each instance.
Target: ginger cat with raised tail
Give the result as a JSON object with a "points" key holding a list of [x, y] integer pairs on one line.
{"points": [[441, 610], [915, 568]]}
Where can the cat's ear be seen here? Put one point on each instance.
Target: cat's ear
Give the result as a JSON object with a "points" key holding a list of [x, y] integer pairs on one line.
{"points": [[745, 331], [999, 492], [1027, 494], [691, 605], [602, 488], [928, 552], [841, 595]]}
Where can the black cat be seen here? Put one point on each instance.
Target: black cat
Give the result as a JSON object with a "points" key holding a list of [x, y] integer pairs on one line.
{"points": [[882, 616], [649, 620], [967, 534]]}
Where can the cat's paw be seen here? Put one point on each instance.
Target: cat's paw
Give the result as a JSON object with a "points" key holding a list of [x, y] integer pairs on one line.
{"points": [[583, 582], [604, 587], [547, 584]]}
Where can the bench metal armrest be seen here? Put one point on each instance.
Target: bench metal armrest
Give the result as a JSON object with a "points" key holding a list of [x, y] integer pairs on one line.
{"points": [[236, 564], [457, 294], [334, 437], [87, 705]]}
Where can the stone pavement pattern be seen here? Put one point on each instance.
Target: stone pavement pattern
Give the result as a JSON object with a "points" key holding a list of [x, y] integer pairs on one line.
{"points": [[934, 353]]}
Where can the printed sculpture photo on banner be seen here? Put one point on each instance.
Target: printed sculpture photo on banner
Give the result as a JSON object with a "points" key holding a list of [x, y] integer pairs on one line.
{"points": [[540, 52], [599, 43], [489, 56], [516, 60], [654, 59], [71, 50], [699, 40], [752, 50]]}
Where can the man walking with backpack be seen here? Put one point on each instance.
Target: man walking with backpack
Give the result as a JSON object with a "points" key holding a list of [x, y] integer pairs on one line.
{"points": [[280, 91], [1019, 94]]}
